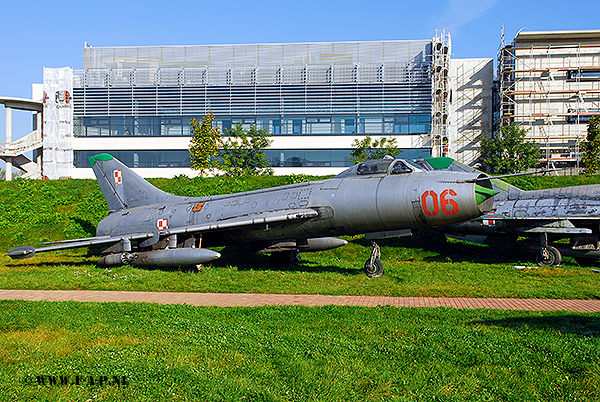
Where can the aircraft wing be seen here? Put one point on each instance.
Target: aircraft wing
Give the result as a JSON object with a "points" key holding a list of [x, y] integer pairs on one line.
{"points": [[244, 221], [531, 225], [225, 224], [29, 251], [563, 226]]}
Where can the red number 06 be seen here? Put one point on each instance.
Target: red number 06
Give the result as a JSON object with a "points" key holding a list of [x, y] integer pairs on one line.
{"points": [[444, 202]]}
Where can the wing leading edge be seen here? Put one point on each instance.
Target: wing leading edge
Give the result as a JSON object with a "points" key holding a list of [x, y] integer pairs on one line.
{"points": [[244, 221]]}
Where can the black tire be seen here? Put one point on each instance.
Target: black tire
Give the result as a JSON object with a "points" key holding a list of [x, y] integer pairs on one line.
{"points": [[552, 259], [375, 271]]}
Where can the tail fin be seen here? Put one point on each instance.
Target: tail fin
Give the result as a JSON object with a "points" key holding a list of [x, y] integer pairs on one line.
{"points": [[122, 188]]}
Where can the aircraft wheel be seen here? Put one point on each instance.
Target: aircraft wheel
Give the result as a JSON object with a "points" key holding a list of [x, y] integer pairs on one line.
{"points": [[548, 257], [374, 271]]}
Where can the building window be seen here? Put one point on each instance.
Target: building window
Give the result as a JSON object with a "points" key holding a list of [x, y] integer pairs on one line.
{"points": [[583, 75], [276, 157], [276, 127], [297, 127], [420, 123], [141, 159], [349, 126], [294, 125], [581, 117], [318, 125], [147, 126], [225, 126]]}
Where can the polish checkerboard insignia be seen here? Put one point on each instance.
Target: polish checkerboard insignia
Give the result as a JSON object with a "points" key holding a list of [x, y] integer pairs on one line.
{"points": [[118, 176], [489, 222], [162, 224]]}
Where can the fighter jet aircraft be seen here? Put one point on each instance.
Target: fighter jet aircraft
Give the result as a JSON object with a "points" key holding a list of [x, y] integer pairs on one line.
{"points": [[147, 227], [551, 214]]}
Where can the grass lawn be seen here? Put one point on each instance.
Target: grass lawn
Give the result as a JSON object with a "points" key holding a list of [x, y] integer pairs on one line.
{"points": [[426, 265], [180, 353], [296, 353]]}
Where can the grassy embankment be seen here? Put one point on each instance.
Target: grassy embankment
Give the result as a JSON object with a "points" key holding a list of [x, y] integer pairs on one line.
{"points": [[425, 265]]}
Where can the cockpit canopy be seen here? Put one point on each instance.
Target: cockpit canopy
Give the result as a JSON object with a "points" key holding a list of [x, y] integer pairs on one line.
{"points": [[380, 166]]}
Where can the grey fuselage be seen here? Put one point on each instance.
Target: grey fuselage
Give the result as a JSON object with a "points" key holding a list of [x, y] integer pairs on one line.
{"points": [[346, 205]]}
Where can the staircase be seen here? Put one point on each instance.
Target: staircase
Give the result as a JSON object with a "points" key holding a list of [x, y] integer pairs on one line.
{"points": [[14, 152]]}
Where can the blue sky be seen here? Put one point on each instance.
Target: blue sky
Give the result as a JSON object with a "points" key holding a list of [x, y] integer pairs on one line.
{"points": [[38, 34]]}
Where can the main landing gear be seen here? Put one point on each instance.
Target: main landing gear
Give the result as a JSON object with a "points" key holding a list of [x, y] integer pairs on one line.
{"points": [[547, 255], [373, 266]]}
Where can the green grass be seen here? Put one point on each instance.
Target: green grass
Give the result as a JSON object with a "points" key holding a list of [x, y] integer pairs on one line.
{"points": [[181, 353], [425, 265], [297, 353]]}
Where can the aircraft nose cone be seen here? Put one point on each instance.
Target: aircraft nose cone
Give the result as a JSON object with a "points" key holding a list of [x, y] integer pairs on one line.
{"points": [[483, 193]]}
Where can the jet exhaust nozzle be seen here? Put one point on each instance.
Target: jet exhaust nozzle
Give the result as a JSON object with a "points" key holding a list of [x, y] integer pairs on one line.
{"points": [[176, 257]]}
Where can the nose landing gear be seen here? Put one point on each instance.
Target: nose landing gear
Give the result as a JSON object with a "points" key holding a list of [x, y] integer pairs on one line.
{"points": [[373, 266]]}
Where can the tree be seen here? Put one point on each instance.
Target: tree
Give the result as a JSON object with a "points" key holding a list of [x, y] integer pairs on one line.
{"points": [[242, 152], [591, 147], [204, 145], [368, 149], [508, 151]]}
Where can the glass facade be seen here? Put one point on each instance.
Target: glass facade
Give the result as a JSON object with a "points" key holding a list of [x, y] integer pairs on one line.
{"points": [[176, 126], [306, 89], [276, 158]]}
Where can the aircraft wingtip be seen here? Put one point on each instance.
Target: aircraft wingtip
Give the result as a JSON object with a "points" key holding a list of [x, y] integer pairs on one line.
{"points": [[20, 253]]}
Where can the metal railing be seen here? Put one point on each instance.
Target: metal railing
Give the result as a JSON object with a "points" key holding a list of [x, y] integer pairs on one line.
{"points": [[27, 143]]}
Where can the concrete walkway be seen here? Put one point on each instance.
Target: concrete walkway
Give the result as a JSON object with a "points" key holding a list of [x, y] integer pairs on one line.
{"points": [[253, 300]]}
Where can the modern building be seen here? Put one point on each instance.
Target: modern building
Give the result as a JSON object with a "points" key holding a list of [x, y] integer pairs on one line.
{"points": [[315, 98], [13, 152], [550, 84]]}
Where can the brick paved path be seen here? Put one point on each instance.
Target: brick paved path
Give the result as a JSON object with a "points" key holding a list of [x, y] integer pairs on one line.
{"points": [[252, 300]]}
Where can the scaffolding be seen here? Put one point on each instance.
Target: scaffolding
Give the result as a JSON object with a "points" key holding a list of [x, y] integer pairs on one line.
{"points": [[440, 97], [471, 105], [550, 85]]}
